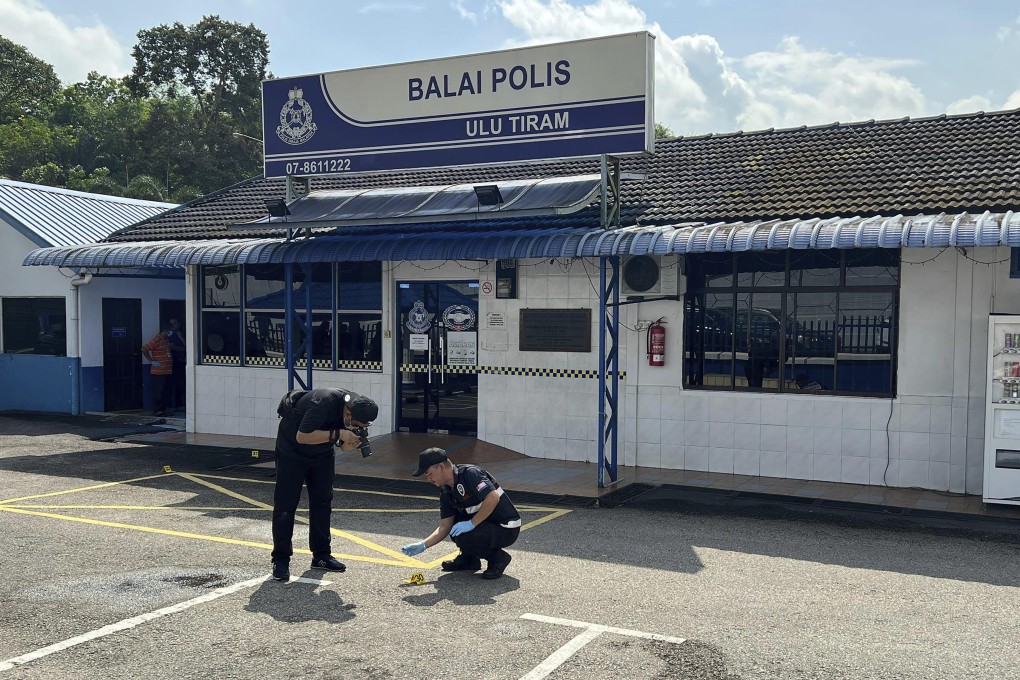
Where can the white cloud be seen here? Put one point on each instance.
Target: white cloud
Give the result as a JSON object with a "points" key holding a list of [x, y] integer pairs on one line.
{"points": [[695, 90], [1009, 31], [464, 12], [73, 51], [810, 87], [969, 105], [1013, 101], [699, 89]]}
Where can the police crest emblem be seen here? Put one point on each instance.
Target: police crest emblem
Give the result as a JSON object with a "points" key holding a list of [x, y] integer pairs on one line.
{"points": [[460, 489], [296, 126], [419, 320], [459, 317]]}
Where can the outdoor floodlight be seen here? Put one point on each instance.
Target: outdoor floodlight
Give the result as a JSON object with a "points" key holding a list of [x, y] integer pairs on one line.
{"points": [[488, 194], [277, 207]]}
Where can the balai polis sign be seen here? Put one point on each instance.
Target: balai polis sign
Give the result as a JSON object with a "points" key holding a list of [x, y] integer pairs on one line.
{"points": [[582, 98]]}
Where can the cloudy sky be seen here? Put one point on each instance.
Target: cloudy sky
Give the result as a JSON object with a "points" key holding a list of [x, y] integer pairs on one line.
{"points": [[721, 65]]}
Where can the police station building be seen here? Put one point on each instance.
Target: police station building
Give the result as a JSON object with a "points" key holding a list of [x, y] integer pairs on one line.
{"points": [[495, 246]]}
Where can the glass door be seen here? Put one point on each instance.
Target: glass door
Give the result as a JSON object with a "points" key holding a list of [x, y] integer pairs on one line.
{"points": [[438, 357]]}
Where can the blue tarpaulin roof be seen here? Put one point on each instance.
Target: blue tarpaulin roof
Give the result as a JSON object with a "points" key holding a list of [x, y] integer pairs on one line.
{"points": [[557, 240]]}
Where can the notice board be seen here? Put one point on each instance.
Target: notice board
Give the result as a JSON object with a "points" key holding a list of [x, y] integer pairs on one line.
{"points": [[555, 330]]}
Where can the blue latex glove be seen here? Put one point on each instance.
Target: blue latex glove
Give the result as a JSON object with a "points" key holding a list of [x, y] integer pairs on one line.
{"points": [[412, 549], [156, 364], [462, 528]]}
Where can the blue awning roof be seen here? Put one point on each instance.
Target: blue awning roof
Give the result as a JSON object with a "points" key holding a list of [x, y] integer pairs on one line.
{"points": [[921, 231]]}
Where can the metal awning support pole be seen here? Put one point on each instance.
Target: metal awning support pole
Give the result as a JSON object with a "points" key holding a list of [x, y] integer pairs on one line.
{"points": [[610, 202], [288, 304], [292, 351], [309, 344], [609, 368]]}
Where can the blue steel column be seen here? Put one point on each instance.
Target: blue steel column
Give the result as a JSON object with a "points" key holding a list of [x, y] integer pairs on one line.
{"points": [[309, 344], [609, 361], [293, 322], [288, 311]]}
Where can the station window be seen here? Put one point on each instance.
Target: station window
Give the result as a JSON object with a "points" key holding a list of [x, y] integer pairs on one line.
{"points": [[355, 311], [359, 312], [34, 326], [221, 315], [794, 321]]}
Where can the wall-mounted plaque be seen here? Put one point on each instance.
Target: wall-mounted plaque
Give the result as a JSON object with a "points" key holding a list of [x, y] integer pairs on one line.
{"points": [[555, 330]]}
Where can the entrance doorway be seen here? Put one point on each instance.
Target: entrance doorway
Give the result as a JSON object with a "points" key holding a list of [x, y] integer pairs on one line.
{"points": [[437, 346], [173, 310], [122, 354]]}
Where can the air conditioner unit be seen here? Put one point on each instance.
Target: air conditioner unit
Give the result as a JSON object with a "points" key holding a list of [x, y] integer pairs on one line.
{"points": [[649, 275]]}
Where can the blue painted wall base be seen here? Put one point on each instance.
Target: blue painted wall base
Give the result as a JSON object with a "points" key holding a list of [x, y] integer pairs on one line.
{"points": [[30, 382]]}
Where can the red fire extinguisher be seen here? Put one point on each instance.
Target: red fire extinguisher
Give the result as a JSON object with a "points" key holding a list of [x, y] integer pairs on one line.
{"points": [[657, 343]]}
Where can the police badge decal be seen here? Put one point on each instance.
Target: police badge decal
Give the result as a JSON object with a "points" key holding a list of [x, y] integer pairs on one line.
{"points": [[296, 126]]}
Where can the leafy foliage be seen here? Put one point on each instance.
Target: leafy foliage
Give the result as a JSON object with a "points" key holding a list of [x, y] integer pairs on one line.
{"points": [[27, 84], [663, 131], [162, 133]]}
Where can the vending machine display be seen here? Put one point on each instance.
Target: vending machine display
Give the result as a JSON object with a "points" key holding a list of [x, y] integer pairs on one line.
{"points": [[1002, 411]]}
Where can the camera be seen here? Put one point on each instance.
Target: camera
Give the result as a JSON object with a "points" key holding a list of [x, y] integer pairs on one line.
{"points": [[365, 446]]}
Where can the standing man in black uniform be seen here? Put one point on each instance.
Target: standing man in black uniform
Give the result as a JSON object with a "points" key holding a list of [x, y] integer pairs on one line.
{"points": [[311, 424], [474, 510]]}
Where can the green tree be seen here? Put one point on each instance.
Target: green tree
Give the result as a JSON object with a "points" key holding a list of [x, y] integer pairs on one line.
{"points": [[146, 187], [27, 84], [96, 182], [49, 174], [206, 83], [663, 131], [29, 142], [220, 63], [99, 111]]}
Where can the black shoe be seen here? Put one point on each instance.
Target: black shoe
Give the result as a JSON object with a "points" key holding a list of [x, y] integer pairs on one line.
{"points": [[462, 563], [328, 563], [281, 571], [497, 565]]}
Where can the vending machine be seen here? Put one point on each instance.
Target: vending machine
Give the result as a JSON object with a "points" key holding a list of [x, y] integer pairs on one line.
{"points": [[1002, 411]]}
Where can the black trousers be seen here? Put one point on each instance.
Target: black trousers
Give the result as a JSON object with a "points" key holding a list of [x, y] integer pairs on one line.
{"points": [[486, 540], [291, 473], [162, 392]]}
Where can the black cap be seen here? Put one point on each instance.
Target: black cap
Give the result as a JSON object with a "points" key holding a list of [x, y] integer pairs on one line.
{"points": [[428, 458], [363, 409]]}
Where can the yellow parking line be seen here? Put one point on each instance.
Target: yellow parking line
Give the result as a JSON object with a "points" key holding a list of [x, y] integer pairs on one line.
{"points": [[338, 488], [401, 560], [184, 534], [542, 520], [225, 491], [82, 488], [198, 508], [365, 543]]}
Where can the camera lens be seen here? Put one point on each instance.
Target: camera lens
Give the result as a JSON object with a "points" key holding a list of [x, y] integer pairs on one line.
{"points": [[365, 446]]}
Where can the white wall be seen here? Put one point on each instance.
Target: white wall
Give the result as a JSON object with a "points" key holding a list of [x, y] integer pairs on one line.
{"points": [[19, 281], [149, 290], [930, 436]]}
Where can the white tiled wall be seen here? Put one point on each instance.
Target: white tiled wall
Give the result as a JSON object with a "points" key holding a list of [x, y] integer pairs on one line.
{"points": [[931, 436], [243, 401]]}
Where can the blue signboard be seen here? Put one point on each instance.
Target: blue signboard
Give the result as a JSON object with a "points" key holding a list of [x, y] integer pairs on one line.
{"points": [[582, 98]]}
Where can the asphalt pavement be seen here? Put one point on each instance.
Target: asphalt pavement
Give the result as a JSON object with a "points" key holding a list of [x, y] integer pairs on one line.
{"points": [[126, 561]]}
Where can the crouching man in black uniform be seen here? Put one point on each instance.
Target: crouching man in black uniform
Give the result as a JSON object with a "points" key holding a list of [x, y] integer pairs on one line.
{"points": [[474, 510], [311, 424]]}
